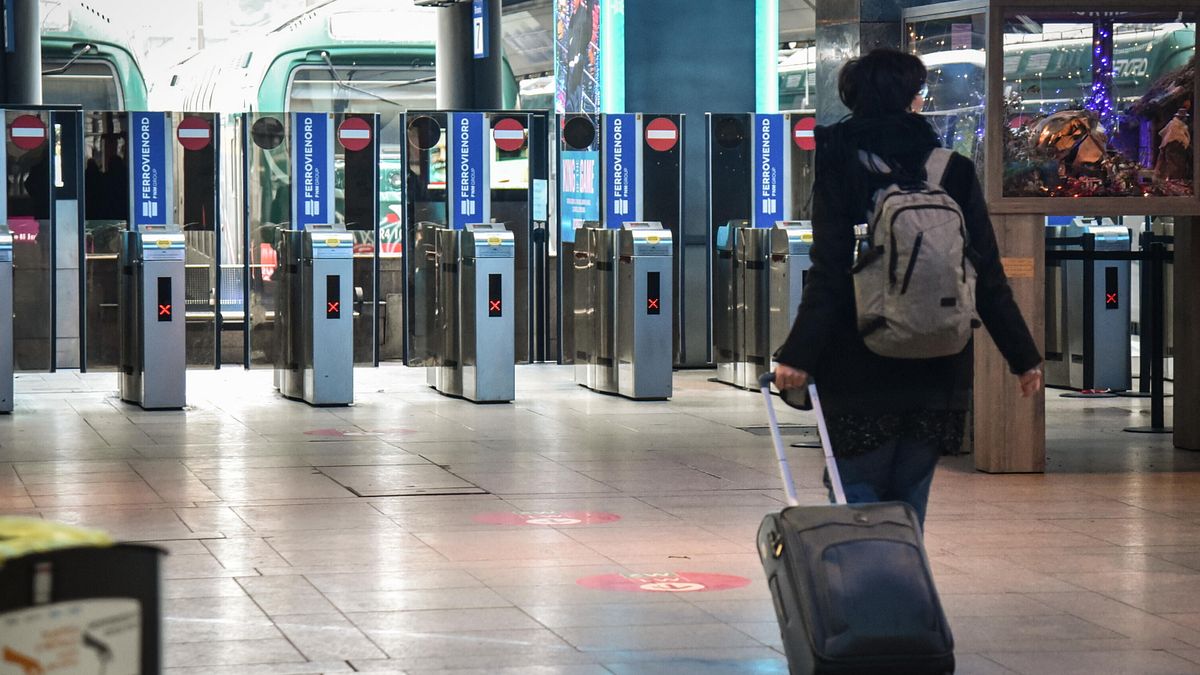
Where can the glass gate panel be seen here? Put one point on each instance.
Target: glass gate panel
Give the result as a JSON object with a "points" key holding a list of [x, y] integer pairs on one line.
{"points": [[106, 216], [196, 202], [232, 281], [356, 191], [393, 177], [268, 209], [29, 219], [426, 156]]}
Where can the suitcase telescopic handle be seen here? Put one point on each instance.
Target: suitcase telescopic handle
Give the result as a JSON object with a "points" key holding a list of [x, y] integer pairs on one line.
{"points": [[785, 472]]}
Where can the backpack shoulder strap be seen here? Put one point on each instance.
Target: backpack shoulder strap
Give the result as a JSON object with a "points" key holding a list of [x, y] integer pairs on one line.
{"points": [[935, 166]]}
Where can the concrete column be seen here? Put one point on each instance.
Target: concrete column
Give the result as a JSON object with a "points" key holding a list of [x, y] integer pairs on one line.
{"points": [[850, 28], [666, 72], [22, 62], [463, 81], [1187, 333]]}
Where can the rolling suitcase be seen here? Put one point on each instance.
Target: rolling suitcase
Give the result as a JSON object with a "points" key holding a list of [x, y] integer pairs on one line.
{"points": [[851, 583]]}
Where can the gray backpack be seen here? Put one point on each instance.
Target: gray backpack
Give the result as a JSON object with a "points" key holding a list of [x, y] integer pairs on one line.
{"points": [[914, 286]]}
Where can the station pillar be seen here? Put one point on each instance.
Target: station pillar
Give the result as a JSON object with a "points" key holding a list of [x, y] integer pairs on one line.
{"points": [[470, 56], [21, 61], [664, 72], [1187, 333], [846, 29]]}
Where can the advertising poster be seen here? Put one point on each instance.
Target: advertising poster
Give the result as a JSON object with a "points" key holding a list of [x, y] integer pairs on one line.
{"points": [[580, 190], [577, 56]]}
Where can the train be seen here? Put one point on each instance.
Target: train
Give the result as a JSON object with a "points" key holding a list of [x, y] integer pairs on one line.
{"points": [[88, 60]]}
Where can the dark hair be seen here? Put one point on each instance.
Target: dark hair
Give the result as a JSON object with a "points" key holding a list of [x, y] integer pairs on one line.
{"points": [[883, 82]]}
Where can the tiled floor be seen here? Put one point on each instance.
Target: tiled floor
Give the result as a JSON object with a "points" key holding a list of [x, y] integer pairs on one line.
{"points": [[394, 537]]}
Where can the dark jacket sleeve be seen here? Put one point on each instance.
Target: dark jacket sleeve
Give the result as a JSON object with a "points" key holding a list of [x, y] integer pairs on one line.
{"points": [[828, 290], [993, 296]]}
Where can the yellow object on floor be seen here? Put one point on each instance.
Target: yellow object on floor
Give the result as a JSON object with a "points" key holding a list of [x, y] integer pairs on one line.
{"points": [[22, 536]]}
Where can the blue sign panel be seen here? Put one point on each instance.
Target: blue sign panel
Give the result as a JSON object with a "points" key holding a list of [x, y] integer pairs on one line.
{"points": [[769, 137], [580, 191], [467, 184], [621, 143], [148, 160], [479, 26], [312, 170]]}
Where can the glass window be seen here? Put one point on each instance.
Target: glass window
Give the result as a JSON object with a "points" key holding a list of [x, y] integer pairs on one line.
{"points": [[383, 90], [92, 84], [1098, 107], [953, 50]]}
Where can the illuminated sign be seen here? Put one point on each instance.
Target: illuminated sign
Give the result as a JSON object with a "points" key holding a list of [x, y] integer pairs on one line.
{"points": [[495, 293], [653, 293], [312, 170]]}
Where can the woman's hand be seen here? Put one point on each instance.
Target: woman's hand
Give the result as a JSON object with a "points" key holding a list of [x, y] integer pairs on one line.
{"points": [[787, 377], [1031, 382]]}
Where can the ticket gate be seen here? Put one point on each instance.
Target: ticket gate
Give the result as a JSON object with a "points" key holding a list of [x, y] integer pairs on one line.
{"points": [[153, 359], [6, 319], [595, 300], [791, 243], [474, 323], [760, 278], [314, 357], [1088, 310], [644, 312], [623, 310]]}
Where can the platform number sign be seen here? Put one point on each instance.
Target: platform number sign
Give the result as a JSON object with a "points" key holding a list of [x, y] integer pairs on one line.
{"points": [[479, 26]]}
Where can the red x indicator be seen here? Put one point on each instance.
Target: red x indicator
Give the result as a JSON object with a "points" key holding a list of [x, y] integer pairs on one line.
{"points": [[1111, 298], [164, 310], [653, 303], [494, 306], [334, 308]]}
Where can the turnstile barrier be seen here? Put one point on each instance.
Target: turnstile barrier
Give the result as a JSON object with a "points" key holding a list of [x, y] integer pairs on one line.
{"points": [[315, 317], [153, 358], [760, 275], [474, 322], [1088, 318], [623, 310]]}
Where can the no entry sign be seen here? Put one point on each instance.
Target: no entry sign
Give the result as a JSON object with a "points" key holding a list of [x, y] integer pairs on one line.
{"points": [[545, 518], [509, 134], [354, 134], [194, 133], [27, 132], [803, 133], [662, 134], [664, 582]]}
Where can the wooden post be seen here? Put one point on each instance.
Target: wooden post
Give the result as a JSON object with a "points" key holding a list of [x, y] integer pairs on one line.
{"points": [[1187, 333], [1010, 431]]}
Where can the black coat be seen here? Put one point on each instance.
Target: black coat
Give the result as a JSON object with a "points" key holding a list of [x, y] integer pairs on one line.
{"points": [[824, 341]]}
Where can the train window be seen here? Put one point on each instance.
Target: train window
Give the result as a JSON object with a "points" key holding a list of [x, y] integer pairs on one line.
{"points": [[360, 89], [90, 83]]}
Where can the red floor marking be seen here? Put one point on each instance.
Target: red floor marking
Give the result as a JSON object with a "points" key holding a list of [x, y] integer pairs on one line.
{"points": [[664, 582], [550, 518]]}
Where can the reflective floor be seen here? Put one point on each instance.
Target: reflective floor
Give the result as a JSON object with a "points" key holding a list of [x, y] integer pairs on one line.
{"points": [[578, 533]]}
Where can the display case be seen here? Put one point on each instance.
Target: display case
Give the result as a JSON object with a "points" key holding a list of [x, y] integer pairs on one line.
{"points": [[1091, 109]]}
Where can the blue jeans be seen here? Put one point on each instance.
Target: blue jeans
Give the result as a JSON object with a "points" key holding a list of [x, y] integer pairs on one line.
{"points": [[899, 471]]}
